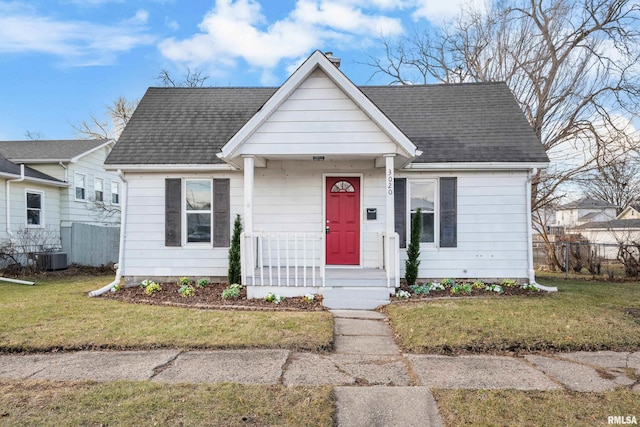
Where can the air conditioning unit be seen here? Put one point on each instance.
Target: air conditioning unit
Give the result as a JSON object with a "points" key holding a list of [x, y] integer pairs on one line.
{"points": [[49, 261]]}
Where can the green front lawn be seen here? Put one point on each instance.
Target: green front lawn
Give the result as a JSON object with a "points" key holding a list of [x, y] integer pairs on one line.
{"points": [[57, 314], [582, 315], [534, 408], [125, 403]]}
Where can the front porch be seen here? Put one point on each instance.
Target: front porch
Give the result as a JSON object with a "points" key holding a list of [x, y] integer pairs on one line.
{"points": [[293, 264]]}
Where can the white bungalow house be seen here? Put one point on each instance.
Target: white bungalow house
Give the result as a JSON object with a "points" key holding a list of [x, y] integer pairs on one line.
{"points": [[325, 176], [73, 194]]}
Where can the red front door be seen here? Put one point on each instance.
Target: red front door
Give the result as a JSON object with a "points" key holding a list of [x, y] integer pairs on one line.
{"points": [[343, 221]]}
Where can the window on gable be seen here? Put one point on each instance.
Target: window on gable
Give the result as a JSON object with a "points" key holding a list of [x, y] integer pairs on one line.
{"points": [[423, 197], [198, 211], [115, 192], [80, 186], [35, 209], [98, 188]]}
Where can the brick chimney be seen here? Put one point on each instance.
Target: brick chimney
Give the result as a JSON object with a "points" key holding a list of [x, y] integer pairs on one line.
{"points": [[334, 60]]}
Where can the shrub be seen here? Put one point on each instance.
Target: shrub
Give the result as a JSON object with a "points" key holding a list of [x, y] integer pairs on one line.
{"points": [[234, 274], [232, 291], [184, 281], [309, 298], [152, 288], [202, 283], [146, 283], [494, 288], [509, 283], [529, 287], [403, 294], [447, 283], [186, 291], [271, 297], [479, 284], [413, 250], [436, 287], [420, 289]]}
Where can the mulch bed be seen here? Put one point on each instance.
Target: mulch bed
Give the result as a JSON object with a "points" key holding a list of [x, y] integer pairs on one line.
{"points": [[210, 297], [507, 291]]}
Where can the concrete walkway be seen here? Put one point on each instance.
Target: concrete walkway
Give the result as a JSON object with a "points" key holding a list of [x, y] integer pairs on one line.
{"points": [[375, 383]]}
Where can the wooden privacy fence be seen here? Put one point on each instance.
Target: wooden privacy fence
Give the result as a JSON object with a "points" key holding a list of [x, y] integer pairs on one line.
{"points": [[91, 245]]}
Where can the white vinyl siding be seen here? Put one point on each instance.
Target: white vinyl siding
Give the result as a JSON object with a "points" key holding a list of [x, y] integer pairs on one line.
{"points": [[318, 118], [145, 251], [492, 229]]}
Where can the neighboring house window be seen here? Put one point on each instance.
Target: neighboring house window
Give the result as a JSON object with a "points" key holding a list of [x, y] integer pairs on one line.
{"points": [[115, 193], [198, 210], [98, 188], [423, 197], [35, 208], [81, 186]]}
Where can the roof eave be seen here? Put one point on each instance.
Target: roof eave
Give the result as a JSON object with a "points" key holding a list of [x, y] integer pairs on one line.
{"points": [[477, 166], [170, 167]]}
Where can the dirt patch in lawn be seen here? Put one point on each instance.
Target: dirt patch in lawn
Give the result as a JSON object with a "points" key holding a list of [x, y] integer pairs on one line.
{"points": [[210, 297]]}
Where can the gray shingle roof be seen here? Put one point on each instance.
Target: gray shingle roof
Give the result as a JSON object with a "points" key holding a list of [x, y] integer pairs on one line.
{"points": [[587, 203], [43, 150], [479, 122], [613, 224], [7, 166]]}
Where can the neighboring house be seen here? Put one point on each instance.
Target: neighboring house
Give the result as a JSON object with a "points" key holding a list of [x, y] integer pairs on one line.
{"points": [[84, 195], [630, 212], [326, 177], [582, 211]]}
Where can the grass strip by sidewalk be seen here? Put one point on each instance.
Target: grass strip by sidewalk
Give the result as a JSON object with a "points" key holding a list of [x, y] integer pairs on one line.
{"points": [[581, 316], [534, 408], [123, 403], [58, 315]]}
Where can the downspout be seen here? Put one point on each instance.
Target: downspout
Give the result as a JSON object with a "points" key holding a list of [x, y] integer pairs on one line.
{"points": [[8, 198], [532, 274], [123, 225]]}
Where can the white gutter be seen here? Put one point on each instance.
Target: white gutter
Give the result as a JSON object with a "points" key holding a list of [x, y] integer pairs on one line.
{"points": [[8, 198], [123, 225], [477, 166], [170, 168], [66, 172], [532, 274]]}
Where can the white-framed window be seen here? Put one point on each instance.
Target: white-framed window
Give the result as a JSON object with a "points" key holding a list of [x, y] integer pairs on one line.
{"points": [[80, 184], [423, 195], [98, 189], [198, 196], [35, 208], [115, 192]]}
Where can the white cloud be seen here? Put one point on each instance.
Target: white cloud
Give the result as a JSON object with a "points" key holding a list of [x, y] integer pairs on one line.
{"points": [[235, 30], [77, 42], [438, 11]]}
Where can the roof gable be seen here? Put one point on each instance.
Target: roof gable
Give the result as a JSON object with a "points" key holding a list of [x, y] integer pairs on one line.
{"points": [[318, 61]]}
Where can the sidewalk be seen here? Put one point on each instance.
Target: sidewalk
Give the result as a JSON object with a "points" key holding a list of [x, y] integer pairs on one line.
{"points": [[374, 381]]}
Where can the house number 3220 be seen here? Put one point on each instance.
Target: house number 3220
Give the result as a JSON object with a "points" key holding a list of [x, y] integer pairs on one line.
{"points": [[390, 182]]}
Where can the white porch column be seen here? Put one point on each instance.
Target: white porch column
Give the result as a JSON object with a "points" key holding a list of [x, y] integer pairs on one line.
{"points": [[248, 250], [248, 194], [390, 216]]}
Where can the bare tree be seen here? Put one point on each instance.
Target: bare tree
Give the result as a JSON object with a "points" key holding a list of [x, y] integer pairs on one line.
{"points": [[34, 135], [615, 182], [191, 78], [118, 115], [571, 64]]}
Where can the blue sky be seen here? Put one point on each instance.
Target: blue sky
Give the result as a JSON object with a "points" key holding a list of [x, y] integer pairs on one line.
{"points": [[62, 60]]}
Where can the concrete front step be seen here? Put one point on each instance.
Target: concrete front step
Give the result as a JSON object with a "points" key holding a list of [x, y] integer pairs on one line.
{"points": [[355, 298]]}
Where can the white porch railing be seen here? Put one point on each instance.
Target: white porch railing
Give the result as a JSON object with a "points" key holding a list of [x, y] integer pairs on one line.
{"points": [[282, 259]]}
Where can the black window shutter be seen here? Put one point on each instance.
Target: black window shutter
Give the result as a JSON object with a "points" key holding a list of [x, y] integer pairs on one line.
{"points": [[172, 212], [448, 212], [400, 209], [221, 213]]}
